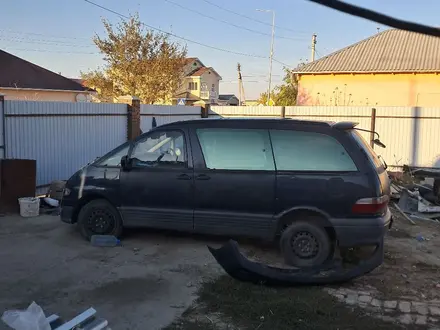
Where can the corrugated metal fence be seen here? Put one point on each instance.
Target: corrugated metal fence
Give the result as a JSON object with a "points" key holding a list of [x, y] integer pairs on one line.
{"points": [[411, 134], [62, 136], [257, 111], [164, 114]]}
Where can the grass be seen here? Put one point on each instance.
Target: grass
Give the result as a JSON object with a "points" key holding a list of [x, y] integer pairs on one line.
{"points": [[249, 306]]}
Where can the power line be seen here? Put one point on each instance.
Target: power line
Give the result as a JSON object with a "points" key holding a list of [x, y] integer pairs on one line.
{"points": [[44, 35], [248, 81], [318, 53], [249, 18], [45, 42], [229, 23], [374, 16], [284, 64], [51, 51], [175, 35]]}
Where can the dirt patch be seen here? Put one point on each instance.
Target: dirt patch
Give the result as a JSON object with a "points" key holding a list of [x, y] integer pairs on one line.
{"points": [[228, 304], [412, 262], [410, 274]]}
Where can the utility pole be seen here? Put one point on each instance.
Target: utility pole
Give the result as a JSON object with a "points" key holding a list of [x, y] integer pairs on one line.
{"points": [[313, 47], [271, 51], [240, 82], [242, 97]]}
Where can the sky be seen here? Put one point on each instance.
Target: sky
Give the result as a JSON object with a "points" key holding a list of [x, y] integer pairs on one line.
{"points": [[57, 34]]}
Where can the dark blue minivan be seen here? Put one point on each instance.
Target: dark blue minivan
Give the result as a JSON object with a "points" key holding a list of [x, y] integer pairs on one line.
{"points": [[311, 185]]}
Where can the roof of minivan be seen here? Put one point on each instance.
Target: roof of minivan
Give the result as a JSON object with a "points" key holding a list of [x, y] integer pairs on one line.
{"points": [[208, 121]]}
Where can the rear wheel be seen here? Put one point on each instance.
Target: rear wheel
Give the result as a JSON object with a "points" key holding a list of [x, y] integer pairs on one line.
{"points": [[305, 244], [99, 217]]}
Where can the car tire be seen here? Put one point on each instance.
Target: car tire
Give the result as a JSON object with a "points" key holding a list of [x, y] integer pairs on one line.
{"points": [[99, 217], [305, 244]]}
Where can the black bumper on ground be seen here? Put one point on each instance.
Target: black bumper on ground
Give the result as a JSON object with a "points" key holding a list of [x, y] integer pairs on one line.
{"points": [[361, 232], [243, 269], [66, 214]]}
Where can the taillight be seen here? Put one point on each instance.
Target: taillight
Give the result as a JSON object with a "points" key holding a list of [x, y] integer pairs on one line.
{"points": [[375, 205]]}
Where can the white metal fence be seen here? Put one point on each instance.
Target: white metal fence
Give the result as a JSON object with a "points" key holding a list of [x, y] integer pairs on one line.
{"points": [[411, 134], [256, 111], [62, 136], [164, 114]]}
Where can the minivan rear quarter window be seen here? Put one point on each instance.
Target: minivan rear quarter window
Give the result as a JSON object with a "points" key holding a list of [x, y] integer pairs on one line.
{"points": [[372, 156], [309, 151], [236, 149]]}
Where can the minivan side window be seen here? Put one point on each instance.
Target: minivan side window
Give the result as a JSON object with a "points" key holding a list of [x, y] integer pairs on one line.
{"points": [[160, 148], [114, 158], [236, 149], [309, 151]]}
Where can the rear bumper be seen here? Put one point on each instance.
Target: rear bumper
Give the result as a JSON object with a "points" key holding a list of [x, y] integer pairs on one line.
{"points": [[361, 232], [66, 213]]}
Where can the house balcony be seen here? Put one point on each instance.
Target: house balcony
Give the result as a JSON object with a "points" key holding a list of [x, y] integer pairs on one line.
{"points": [[208, 95]]}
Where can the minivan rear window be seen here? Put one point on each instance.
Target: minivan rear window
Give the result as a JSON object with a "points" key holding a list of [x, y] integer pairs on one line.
{"points": [[309, 151], [371, 154]]}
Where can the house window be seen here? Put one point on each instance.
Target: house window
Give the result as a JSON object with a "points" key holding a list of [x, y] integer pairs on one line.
{"points": [[192, 86]]}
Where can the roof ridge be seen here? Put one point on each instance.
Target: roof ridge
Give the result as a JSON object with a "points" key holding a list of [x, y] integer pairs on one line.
{"points": [[344, 49], [391, 50]]}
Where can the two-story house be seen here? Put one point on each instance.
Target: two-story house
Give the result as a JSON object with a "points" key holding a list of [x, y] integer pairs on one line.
{"points": [[200, 84]]}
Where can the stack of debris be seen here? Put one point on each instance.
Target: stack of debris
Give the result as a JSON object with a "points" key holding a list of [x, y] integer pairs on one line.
{"points": [[416, 193], [50, 203]]}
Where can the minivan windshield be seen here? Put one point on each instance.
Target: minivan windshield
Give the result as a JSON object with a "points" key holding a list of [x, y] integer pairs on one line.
{"points": [[371, 154]]}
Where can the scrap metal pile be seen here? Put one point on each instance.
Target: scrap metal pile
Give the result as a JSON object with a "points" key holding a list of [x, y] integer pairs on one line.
{"points": [[416, 193]]}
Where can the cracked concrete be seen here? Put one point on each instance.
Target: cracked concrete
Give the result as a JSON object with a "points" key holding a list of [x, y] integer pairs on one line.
{"points": [[144, 284]]}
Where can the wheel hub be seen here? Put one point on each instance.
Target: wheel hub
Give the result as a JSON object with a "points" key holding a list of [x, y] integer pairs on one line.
{"points": [[101, 222], [305, 245]]}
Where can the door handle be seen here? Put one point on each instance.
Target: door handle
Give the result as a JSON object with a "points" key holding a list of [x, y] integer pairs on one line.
{"points": [[183, 177], [202, 177]]}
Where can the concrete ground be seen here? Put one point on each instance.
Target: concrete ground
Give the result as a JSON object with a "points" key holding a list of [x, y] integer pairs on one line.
{"points": [[143, 284]]}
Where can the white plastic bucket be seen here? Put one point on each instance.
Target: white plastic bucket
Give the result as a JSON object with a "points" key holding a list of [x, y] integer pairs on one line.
{"points": [[29, 206]]}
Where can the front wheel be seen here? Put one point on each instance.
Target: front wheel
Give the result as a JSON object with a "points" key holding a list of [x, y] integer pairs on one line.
{"points": [[305, 244], [99, 217]]}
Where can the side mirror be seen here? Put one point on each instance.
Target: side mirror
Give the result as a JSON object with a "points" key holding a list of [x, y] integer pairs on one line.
{"points": [[125, 163]]}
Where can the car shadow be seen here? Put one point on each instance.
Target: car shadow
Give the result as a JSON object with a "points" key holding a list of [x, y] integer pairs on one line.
{"points": [[136, 234]]}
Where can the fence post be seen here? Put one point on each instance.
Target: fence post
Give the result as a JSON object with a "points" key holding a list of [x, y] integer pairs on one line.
{"points": [[134, 119], [283, 112], [133, 116], [204, 113], [372, 126]]}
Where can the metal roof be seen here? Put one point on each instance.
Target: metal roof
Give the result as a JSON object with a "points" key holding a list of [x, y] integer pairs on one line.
{"points": [[390, 51], [19, 73]]}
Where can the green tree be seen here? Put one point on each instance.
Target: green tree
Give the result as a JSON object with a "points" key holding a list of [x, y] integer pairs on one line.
{"points": [[284, 94], [138, 62]]}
